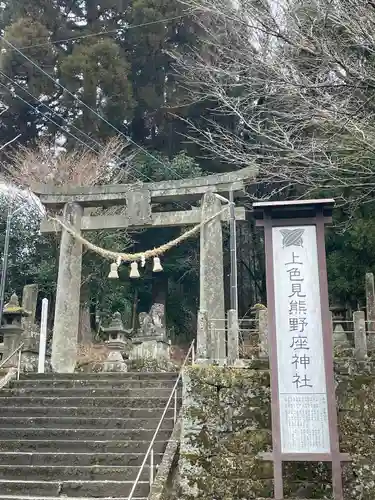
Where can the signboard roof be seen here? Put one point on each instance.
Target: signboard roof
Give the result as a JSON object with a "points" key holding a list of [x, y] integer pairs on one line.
{"points": [[293, 209]]}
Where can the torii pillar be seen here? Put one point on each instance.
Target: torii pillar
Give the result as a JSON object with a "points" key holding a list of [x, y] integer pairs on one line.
{"points": [[65, 333], [211, 337]]}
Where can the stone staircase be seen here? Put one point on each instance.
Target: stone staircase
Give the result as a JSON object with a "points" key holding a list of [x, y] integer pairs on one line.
{"points": [[81, 435]]}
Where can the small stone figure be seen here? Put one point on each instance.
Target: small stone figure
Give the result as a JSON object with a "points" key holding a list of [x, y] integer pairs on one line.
{"points": [[151, 340], [152, 324], [146, 326], [157, 315]]}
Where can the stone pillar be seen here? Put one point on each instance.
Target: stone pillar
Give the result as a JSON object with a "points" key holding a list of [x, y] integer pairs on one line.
{"points": [[360, 340], [31, 333], [263, 333], [202, 336], [29, 301], [212, 276], [65, 333], [233, 340], [370, 308]]}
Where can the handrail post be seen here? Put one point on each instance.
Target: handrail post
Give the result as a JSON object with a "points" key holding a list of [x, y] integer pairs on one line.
{"points": [[193, 354], [175, 407], [19, 363], [151, 467]]}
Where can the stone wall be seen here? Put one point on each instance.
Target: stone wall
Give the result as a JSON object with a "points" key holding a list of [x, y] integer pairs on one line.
{"points": [[226, 423]]}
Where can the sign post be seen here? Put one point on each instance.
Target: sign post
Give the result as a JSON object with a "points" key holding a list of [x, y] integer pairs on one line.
{"points": [[304, 417]]}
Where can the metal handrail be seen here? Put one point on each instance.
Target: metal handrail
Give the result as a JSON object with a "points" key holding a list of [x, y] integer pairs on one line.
{"points": [[150, 450], [19, 348]]}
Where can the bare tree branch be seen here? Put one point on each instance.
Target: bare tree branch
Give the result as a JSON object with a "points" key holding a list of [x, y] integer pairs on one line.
{"points": [[294, 87], [43, 164]]}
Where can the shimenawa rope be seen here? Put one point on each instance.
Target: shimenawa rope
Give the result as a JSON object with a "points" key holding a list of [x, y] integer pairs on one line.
{"points": [[133, 257]]}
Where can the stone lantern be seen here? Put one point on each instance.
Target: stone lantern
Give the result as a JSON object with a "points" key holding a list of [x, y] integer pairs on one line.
{"points": [[11, 328], [118, 343]]}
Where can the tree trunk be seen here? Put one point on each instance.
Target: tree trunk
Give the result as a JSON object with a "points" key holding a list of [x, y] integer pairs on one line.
{"points": [[85, 333], [159, 288], [89, 83]]}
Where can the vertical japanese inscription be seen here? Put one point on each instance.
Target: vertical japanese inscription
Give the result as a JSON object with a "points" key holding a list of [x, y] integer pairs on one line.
{"points": [[302, 385]]}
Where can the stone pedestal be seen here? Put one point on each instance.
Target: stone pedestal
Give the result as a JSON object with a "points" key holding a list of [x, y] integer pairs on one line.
{"points": [[115, 363], [150, 347], [212, 277], [65, 334]]}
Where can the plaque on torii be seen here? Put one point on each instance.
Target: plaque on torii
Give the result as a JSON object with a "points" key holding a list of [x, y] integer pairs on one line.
{"points": [[304, 414]]}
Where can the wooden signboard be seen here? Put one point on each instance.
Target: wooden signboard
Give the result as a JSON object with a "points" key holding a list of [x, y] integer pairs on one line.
{"points": [[304, 416]]}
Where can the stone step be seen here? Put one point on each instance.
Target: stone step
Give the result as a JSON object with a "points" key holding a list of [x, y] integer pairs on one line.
{"points": [[72, 488], [70, 383], [84, 412], [82, 434], [119, 402], [84, 423], [75, 459], [102, 376], [82, 446], [17, 497], [78, 473], [78, 392]]}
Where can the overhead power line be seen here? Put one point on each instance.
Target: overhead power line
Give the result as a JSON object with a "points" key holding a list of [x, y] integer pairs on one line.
{"points": [[107, 32], [68, 124], [141, 148], [14, 94]]}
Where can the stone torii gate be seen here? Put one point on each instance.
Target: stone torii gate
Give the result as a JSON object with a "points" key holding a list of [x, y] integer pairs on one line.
{"points": [[140, 200]]}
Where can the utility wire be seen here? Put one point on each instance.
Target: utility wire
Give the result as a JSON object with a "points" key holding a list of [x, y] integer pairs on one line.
{"points": [[13, 93], [79, 37], [69, 125], [141, 148]]}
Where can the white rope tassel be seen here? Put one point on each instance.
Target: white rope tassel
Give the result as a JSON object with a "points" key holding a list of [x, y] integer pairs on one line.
{"points": [[157, 266], [134, 273], [113, 274]]}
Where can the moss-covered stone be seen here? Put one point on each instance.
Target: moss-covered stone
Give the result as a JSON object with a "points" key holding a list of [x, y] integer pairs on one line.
{"points": [[226, 424]]}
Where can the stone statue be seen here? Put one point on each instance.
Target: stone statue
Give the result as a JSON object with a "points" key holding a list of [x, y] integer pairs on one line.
{"points": [[151, 339], [152, 324], [157, 315]]}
